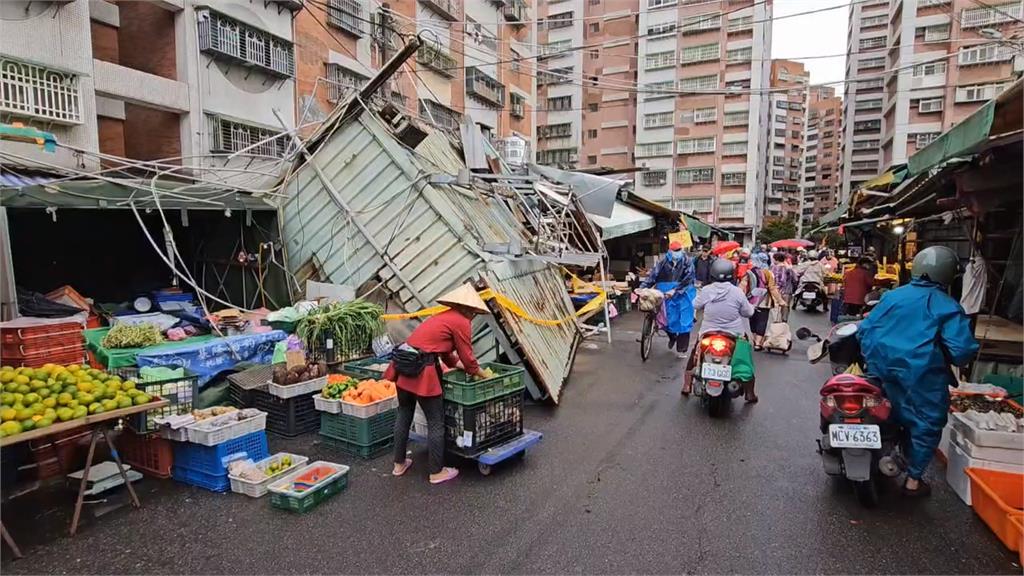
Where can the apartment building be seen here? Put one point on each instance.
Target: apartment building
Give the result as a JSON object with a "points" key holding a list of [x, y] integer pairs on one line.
{"points": [[786, 127], [587, 96], [147, 80], [702, 112], [477, 61], [822, 153], [929, 64]]}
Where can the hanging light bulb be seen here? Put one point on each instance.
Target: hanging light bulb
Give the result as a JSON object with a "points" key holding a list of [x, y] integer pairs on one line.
{"points": [[898, 229], [227, 212]]}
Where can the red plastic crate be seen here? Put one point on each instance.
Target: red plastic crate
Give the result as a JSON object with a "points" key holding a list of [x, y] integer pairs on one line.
{"points": [[39, 333], [71, 357], [37, 346], [150, 454]]}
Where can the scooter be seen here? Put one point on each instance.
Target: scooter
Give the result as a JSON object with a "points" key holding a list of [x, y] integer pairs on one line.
{"points": [[712, 373], [811, 295], [859, 441]]}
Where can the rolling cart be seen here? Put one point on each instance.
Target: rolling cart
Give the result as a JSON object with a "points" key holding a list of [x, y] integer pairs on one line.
{"points": [[486, 460]]}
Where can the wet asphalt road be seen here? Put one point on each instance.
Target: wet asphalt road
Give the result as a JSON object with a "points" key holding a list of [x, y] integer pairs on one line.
{"points": [[630, 478]]}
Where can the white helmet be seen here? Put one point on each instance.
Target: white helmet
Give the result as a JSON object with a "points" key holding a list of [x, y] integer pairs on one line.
{"points": [[812, 254]]}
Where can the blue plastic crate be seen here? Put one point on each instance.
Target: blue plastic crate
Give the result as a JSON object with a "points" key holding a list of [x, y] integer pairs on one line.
{"points": [[210, 459], [212, 482]]}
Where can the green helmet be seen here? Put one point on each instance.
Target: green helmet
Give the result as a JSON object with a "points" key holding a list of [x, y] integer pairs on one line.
{"points": [[936, 263]]}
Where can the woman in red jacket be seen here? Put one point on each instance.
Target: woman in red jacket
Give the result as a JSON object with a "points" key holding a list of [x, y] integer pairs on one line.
{"points": [[446, 337]]}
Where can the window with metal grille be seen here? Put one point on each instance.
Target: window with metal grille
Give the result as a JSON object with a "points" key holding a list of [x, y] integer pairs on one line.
{"points": [[935, 33], [439, 115], [342, 82], [554, 76], [346, 15], [864, 165], [734, 148], [655, 90], [232, 136], [979, 92], [556, 21], [699, 115], [39, 92], [657, 60], [736, 118], [518, 105], [704, 145], [924, 139], [739, 55], [925, 105], [224, 37], [984, 55], [734, 179], [663, 29], [866, 144], [560, 103], [653, 149], [731, 210], [654, 177], [873, 104], [740, 24], [658, 120], [435, 58], [701, 53], [699, 83], [700, 23], [869, 84], [702, 175], [993, 14], [554, 130], [557, 156], [871, 43], [660, 3], [696, 205], [553, 49], [874, 20], [871, 63], [930, 69]]}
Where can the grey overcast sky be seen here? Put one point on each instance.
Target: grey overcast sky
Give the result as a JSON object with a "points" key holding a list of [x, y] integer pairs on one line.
{"points": [[818, 34]]}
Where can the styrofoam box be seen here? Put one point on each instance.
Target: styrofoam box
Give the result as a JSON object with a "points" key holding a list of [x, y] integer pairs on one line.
{"points": [[958, 461], [987, 438], [1004, 455]]}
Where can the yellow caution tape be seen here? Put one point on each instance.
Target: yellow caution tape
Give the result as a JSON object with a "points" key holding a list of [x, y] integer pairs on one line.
{"points": [[512, 306]]}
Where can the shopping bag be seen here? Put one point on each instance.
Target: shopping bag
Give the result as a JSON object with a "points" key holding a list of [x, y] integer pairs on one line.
{"points": [[778, 335]]}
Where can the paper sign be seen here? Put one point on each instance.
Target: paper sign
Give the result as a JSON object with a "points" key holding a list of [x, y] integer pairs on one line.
{"points": [[681, 237]]}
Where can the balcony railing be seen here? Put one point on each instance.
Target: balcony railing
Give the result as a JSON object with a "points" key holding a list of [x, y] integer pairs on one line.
{"points": [[437, 60], [447, 9], [35, 91], [346, 15], [483, 87], [226, 38]]}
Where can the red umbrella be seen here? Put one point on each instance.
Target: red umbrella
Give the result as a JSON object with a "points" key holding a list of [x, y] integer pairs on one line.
{"points": [[792, 243], [724, 247]]}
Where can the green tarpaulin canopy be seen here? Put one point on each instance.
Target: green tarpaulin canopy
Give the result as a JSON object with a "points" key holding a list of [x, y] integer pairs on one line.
{"points": [[960, 140]]}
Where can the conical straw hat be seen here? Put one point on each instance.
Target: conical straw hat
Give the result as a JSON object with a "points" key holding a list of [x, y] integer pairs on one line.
{"points": [[464, 295]]}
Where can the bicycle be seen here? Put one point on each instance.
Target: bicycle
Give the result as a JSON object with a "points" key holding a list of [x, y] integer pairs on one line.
{"points": [[650, 328]]}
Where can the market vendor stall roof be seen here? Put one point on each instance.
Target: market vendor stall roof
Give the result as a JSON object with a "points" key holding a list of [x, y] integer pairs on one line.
{"points": [[624, 220]]}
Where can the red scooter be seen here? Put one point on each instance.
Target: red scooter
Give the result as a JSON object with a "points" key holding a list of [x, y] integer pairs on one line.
{"points": [[712, 372], [858, 439]]}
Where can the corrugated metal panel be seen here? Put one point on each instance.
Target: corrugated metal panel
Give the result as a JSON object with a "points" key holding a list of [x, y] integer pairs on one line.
{"points": [[539, 289], [432, 234]]}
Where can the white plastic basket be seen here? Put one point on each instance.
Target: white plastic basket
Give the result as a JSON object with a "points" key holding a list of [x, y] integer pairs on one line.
{"points": [[985, 438], [280, 485], [227, 432], [328, 405], [257, 489], [293, 390], [175, 434], [368, 410]]}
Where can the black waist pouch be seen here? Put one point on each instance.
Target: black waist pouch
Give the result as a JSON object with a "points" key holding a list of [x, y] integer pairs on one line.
{"points": [[411, 362]]}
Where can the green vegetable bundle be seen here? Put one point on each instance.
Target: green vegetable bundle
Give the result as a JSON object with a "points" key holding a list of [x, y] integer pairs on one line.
{"points": [[132, 336], [351, 325]]}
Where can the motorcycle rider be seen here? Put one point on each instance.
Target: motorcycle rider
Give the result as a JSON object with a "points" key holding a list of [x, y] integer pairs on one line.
{"points": [[810, 271], [908, 341], [724, 306]]}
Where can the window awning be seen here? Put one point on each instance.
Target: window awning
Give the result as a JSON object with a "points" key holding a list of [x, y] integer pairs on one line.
{"points": [[624, 220]]}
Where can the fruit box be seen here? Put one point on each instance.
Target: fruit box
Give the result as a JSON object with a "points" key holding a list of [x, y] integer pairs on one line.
{"points": [[259, 488], [305, 489]]}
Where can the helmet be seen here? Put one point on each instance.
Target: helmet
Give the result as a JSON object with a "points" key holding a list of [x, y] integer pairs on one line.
{"points": [[936, 263], [812, 254], [722, 270]]}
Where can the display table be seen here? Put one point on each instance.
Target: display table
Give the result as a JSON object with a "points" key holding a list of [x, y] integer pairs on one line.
{"points": [[125, 357], [98, 424]]}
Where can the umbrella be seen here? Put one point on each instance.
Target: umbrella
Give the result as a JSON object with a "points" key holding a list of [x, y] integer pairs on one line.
{"points": [[792, 243], [724, 247]]}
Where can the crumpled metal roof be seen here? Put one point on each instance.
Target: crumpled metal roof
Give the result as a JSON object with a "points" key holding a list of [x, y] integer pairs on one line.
{"points": [[421, 239]]}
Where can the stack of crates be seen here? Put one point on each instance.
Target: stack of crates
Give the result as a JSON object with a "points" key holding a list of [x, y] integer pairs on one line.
{"points": [[207, 466], [32, 342], [479, 414], [363, 431], [288, 417]]}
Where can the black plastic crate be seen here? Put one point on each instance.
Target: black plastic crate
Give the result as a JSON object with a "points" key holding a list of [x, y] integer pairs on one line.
{"points": [[469, 430], [238, 396], [287, 416]]}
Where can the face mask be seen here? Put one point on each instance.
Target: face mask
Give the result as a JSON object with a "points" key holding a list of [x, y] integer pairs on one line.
{"points": [[675, 255]]}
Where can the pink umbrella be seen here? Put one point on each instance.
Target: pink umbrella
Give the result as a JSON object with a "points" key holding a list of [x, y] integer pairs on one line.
{"points": [[792, 243]]}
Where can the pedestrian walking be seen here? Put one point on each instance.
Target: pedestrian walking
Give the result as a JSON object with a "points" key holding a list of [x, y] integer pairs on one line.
{"points": [[785, 281]]}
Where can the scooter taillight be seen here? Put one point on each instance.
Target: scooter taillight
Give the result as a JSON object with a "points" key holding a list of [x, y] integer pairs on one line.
{"points": [[855, 405], [717, 345]]}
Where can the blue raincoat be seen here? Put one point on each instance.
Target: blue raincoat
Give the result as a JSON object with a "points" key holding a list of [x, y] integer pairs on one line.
{"points": [[675, 272], [909, 341]]}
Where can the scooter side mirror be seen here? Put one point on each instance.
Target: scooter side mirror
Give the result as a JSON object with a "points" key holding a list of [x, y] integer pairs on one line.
{"points": [[816, 352], [803, 333]]}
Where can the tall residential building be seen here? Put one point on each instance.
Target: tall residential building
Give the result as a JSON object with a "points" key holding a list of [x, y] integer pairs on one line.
{"points": [[788, 109], [146, 80], [931, 64], [476, 61], [822, 153], [703, 72]]}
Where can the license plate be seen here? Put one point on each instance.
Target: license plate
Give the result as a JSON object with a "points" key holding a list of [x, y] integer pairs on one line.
{"points": [[854, 436], [720, 372], [810, 295]]}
